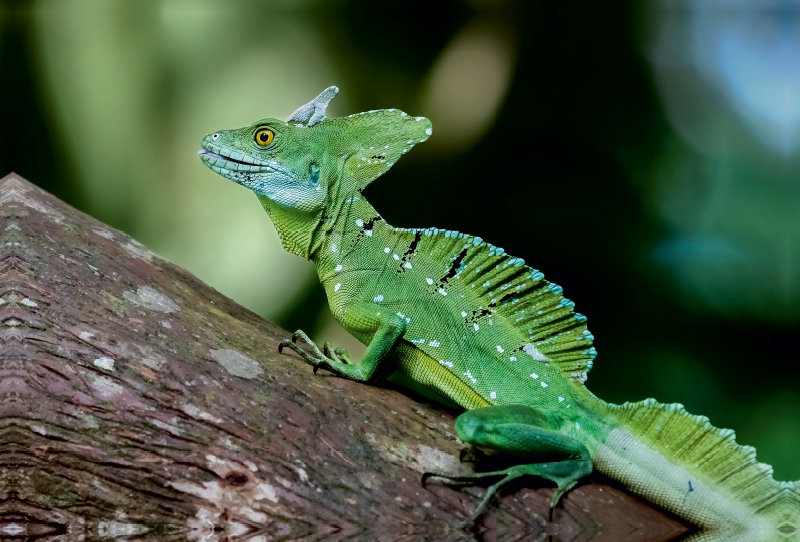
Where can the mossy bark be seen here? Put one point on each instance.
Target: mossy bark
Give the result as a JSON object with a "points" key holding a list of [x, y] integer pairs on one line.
{"points": [[138, 402]]}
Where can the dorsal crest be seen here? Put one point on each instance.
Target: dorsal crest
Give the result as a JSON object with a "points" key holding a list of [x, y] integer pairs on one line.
{"points": [[501, 287], [372, 141]]}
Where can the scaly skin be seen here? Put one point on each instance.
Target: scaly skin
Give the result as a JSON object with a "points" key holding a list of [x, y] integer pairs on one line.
{"points": [[480, 327]]}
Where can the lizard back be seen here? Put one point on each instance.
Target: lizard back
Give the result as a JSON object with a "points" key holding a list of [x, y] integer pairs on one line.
{"points": [[468, 305]]}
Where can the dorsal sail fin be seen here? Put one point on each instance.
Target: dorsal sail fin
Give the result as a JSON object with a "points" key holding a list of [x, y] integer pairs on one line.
{"points": [[503, 292]]}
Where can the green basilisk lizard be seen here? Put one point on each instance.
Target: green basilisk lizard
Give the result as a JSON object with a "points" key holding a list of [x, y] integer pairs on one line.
{"points": [[459, 315]]}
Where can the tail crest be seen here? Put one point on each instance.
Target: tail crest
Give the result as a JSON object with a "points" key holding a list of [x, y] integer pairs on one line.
{"points": [[684, 464]]}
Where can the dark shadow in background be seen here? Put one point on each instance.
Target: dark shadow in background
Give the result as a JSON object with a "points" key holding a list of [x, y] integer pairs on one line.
{"points": [[29, 141]]}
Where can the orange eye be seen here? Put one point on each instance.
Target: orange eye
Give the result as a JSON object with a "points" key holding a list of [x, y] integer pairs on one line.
{"points": [[264, 137]]}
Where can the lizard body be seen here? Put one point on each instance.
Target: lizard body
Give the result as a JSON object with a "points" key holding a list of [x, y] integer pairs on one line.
{"points": [[480, 327]]}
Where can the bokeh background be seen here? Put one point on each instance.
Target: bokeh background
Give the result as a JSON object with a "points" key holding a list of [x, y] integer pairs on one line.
{"points": [[644, 154]]}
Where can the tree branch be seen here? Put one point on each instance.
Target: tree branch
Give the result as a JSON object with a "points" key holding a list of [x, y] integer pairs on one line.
{"points": [[137, 401]]}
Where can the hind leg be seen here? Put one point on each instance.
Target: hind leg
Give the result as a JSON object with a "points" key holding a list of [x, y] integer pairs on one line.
{"points": [[523, 432]]}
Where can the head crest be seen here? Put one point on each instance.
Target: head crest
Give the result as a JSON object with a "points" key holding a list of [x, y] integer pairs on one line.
{"points": [[314, 111]]}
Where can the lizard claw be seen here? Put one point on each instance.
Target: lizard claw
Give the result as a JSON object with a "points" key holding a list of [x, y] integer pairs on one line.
{"points": [[327, 358]]}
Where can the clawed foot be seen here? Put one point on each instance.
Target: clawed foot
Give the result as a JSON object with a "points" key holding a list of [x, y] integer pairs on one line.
{"points": [[564, 473], [327, 358], [467, 480]]}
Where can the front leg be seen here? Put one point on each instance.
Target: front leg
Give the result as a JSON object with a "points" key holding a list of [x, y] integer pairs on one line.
{"points": [[386, 331]]}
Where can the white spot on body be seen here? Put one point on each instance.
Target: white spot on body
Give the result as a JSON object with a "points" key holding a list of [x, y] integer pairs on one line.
{"points": [[476, 326], [534, 375], [28, 303], [85, 335], [359, 223], [166, 324], [368, 233], [429, 281], [387, 250], [560, 399], [395, 256], [434, 343], [500, 349], [463, 314], [334, 248], [492, 395], [533, 352], [544, 384], [338, 267], [446, 363], [378, 298], [472, 379], [407, 265], [442, 291]]}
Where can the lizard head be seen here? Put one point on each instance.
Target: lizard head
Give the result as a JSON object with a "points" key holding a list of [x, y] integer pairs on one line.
{"points": [[304, 162]]}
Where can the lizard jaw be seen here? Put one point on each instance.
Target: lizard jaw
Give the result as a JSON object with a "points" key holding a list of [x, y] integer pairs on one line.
{"points": [[210, 158]]}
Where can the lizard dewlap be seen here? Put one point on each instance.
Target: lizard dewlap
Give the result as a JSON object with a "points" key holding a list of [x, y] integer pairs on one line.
{"points": [[459, 315]]}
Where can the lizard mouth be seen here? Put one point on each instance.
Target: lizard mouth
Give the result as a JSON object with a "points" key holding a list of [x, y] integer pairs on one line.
{"points": [[212, 158], [205, 153]]}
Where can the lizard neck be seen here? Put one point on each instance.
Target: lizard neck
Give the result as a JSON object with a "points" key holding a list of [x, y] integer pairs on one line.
{"points": [[302, 232], [295, 230], [339, 231]]}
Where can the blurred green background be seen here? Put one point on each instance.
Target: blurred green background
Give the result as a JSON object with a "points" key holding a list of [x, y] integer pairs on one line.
{"points": [[644, 155]]}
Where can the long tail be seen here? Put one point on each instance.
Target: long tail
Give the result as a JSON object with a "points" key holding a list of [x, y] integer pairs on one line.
{"points": [[697, 471]]}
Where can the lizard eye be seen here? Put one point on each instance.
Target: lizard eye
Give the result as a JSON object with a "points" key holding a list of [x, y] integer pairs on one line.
{"points": [[264, 137]]}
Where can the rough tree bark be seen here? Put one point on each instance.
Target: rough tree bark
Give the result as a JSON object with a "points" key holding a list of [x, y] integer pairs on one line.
{"points": [[137, 402]]}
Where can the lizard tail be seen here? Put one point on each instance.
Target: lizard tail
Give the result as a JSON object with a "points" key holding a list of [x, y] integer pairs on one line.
{"points": [[684, 464]]}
